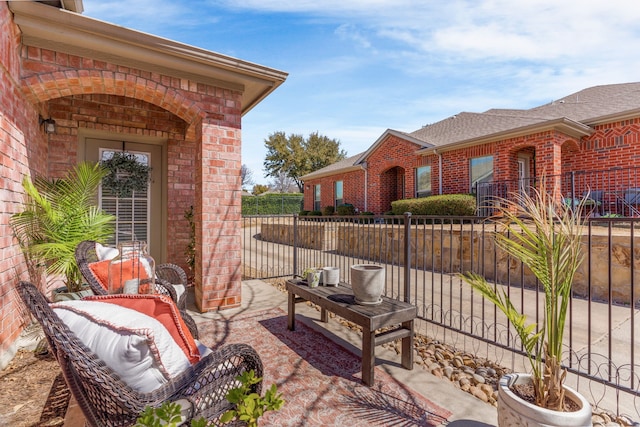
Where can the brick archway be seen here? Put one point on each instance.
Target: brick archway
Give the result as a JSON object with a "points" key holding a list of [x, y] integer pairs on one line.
{"points": [[57, 84]]}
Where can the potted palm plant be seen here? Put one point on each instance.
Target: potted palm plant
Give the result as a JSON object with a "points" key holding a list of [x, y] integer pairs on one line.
{"points": [[545, 235], [58, 214]]}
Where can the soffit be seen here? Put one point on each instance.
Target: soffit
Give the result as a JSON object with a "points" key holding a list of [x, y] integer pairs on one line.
{"points": [[56, 29]]}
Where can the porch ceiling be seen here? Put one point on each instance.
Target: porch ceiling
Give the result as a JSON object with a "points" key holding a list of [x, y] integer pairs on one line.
{"points": [[60, 30]]}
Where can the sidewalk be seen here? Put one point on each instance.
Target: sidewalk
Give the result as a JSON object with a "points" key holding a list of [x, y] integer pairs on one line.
{"points": [[467, 410]]}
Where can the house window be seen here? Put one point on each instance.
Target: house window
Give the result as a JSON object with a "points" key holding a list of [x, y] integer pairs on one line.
{"points": [[316, 197], [481, 171], [339, 198], [423, 181]]}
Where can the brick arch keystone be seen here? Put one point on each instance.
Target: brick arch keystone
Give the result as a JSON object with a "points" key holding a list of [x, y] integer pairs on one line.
{"points": [[570, 145], [43, 87]]}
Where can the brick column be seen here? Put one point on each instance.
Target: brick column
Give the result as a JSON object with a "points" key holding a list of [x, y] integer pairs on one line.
{"points": [[217, 215], [549, 164]]}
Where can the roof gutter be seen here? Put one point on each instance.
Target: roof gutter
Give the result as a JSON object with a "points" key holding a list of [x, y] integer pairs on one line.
{"points": [[630, 114], [64, 31], [314, 175], [562, 124]]}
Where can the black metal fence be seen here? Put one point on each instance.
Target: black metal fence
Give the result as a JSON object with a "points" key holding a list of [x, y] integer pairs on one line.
{"points": [[423, 257]]}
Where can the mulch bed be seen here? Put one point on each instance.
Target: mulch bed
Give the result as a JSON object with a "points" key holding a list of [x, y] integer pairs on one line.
{"points": [[32, 391]]}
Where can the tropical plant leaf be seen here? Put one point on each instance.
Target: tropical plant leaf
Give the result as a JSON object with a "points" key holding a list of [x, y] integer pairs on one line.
{"points": [[58, 214], [545, 235]]}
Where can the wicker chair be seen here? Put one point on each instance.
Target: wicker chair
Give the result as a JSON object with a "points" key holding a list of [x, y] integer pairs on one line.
{"points": [[106, 400], [167, 275]]}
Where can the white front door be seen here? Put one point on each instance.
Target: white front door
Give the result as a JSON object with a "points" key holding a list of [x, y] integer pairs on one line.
{"points": [[523, 175], [138, 217]]}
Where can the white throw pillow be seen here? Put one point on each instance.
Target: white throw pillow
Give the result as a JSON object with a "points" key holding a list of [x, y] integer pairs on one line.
{"points": [[179, 289], [135, 346], [105, 252]]}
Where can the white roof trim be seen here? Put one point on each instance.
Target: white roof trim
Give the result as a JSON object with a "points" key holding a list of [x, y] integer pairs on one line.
{"points": [[61, 30], [384, 135]]}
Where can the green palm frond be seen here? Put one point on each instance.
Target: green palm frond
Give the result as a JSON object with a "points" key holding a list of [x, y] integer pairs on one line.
{"points": [[546, 236], [58, 214]]}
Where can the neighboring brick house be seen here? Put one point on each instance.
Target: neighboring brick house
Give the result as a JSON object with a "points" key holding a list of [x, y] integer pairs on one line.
{"points": [[589, 140], [112, 88]]}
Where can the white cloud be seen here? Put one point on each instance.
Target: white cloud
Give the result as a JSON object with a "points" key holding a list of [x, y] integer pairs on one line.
{"points": [[151, 16], [400, 64], [350, 32]]}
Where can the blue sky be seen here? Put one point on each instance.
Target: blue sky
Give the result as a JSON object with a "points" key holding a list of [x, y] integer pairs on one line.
{"points": [[359, 67]]}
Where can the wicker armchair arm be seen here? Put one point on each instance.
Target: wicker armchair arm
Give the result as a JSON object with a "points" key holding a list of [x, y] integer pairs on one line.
{"points": [[213, 377], [173, 274]]}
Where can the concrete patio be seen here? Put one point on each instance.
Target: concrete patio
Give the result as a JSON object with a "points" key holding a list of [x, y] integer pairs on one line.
{"points": [[257, 295]]}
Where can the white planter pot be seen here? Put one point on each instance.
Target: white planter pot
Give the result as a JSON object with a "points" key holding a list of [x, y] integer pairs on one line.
{"points": [[367, 283], [330, 276], [513, 411]]}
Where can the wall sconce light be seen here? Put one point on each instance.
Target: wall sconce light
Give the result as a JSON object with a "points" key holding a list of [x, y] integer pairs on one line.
{"points": [[49, 124]]}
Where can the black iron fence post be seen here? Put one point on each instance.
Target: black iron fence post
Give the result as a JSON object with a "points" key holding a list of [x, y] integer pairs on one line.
{"points": [[407, 257], [295, 244]]}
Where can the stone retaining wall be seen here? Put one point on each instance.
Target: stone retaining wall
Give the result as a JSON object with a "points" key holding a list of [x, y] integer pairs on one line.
{"points": [[311, 236]]}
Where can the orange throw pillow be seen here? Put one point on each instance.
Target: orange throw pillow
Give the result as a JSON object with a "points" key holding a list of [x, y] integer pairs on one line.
{"points": [[100, 270], [163, 309]]}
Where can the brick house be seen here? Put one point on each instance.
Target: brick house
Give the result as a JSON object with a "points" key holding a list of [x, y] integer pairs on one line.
{"points": [[587, 141], [112, 88]]}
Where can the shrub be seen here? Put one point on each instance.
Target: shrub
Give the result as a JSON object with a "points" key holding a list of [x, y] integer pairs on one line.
{"points": [[271, 204], [315, 213], [366, 218], [328, 210], [441, 205], [346, 209], [303, 213]]}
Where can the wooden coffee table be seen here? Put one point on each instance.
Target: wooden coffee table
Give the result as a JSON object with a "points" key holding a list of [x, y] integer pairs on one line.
{"points": [[339, 300]]}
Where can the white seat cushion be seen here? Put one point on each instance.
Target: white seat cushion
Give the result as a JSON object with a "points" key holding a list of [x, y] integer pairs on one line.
{"points": [[135, 346]]}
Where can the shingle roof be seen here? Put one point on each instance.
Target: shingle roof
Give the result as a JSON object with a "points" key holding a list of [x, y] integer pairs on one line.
{"points": [[585, 106], [580, 108], [347, 163]]}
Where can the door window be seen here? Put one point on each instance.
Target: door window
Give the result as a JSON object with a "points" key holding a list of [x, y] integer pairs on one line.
{"points": [[132, 213]]}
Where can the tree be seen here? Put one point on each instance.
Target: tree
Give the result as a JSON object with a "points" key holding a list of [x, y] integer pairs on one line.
{"points": [[281, 183], [295, 156], [259, 189], [247, 176]]}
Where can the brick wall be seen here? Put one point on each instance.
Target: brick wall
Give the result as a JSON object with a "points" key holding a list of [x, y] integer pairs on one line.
{"points": [[22, 148], [391, 166], [218, 215], [352, 190], [129, 101], [129, 116], [392, 160], [79, 92]]}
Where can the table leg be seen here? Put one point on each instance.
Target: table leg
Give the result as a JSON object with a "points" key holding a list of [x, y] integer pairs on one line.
{"points": [[368, 355], [291, 319], [407, 346]]}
